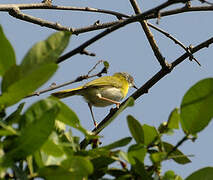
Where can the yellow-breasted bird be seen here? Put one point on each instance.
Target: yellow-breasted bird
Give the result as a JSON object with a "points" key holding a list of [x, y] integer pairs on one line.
{"points": [[103, 91]]}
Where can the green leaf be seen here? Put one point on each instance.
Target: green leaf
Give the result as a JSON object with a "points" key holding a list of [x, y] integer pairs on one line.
{"points": [[150, 134], [106, 64], [117, 172], [139, 168], [196, 107], [204, 174], [11, 76], [136, 151], [68, 116], [135, 129], [170, 175], [119, 143], [102, 162], [174, 119], [57, 172], [81, 166], [46, 51], [52, 147], [33, 135], [7, 130], [158, 157], [177, 155], [15, 116], [27, 85], [19, 173], [7, 54]]}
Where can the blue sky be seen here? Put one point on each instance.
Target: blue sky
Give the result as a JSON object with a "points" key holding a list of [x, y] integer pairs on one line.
{"points": [[127, 50]]}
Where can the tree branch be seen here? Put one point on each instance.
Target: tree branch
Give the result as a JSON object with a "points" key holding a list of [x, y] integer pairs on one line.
{"points": [[151, 82], [150, 37], [132, 19], [187, 49], [78, 79], [180, 10]]}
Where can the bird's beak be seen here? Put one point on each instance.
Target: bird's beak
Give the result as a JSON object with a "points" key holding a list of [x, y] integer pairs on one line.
{"points": [[134, 86]]}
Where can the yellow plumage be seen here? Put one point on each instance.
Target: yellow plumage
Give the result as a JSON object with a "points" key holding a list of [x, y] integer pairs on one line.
{"points": [[102, 91]]}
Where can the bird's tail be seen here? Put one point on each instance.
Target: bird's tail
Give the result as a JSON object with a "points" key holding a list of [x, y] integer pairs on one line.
{"points": [[68, 92]]}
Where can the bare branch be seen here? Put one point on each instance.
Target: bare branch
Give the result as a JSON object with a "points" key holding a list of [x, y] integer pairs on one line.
{"points": [[78, 79], [150, 37], [8, 7], [187, 49], [181, 10], [132, 19], [15, 12]]}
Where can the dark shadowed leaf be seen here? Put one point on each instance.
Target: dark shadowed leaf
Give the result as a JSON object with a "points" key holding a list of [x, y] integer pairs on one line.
{"points": [[15, 116], [7, 55], [177, 155], [139, 168], [196, 106], [135, 129], [33, 135], [119, 143], [204, 174]]}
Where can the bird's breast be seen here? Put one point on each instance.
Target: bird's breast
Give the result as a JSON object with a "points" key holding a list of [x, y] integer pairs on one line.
{"points": [[112, 93]]}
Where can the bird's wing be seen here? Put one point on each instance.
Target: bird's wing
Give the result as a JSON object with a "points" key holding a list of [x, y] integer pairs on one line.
{"points": [[68, 92], [104, 81]]}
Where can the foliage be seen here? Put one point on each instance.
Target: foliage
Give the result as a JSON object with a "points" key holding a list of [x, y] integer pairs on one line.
{"points": [[39, 142]]}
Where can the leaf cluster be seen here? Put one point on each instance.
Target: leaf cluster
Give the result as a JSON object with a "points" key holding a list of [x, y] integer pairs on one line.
{"points": [[39, 141]]}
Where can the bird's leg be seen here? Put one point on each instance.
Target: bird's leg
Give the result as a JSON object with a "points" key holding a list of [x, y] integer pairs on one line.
{"points": [[93, 118], [110, 100]]}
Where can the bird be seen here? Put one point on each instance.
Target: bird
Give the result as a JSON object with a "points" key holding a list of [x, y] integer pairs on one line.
{"points": [[103, 91]]}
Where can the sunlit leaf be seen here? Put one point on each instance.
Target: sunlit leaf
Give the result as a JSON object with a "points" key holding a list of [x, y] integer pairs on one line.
{"points": [[46, 51], [150, 134], [135, 129], [204, 174], [174, 119], [196, 106], [136, 151], [78, 165], [27, 85], [7, 55], [56, 173]]}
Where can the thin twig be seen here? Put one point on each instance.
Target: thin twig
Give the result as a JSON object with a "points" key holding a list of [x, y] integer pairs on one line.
{"points": [[132, 19], [187, 49], [150, 36], [179, 143], [78, 79], [180, 10], [8, 7], [151, 82], [207, 2]]}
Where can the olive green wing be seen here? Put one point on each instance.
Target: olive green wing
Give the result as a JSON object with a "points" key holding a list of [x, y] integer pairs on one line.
{"points": [[104, 81]]}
